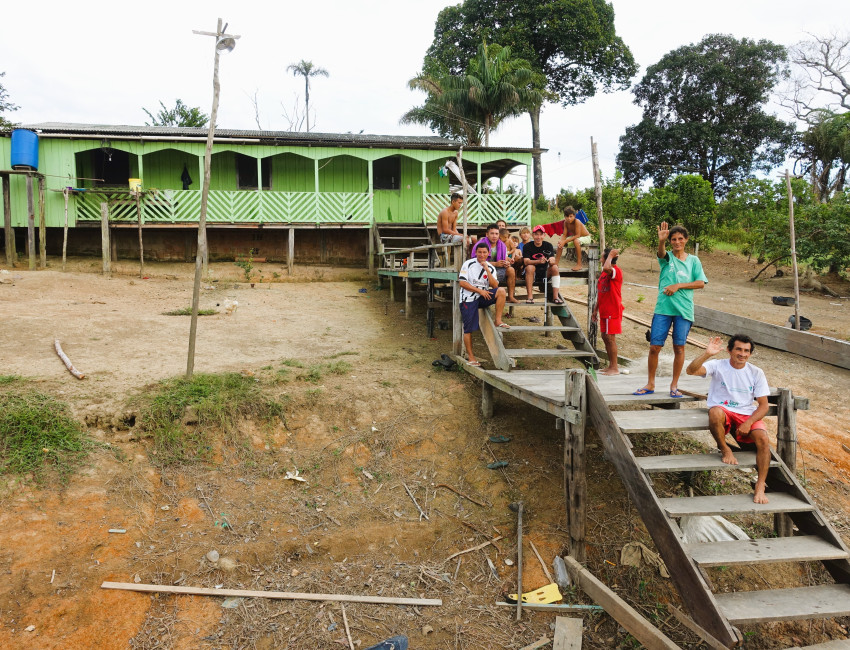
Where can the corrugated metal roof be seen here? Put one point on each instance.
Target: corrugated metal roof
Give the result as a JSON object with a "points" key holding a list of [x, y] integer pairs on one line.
{"points": [[272, 137]]}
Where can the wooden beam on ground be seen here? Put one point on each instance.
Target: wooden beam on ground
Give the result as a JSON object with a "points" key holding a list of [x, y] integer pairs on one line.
{"points": [[688, 581], [42, 226], [11, 255], [650, 636], [278, 595], [30, 224], [575, 481], [567, 633], [104, 239], [689, 623], [786, 448], [812, 346]]}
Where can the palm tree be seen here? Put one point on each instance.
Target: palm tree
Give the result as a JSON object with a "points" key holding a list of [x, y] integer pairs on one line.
{"points": [[307, 70]]}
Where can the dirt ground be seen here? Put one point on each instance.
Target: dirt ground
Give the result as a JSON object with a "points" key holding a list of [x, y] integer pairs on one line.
{"points": [[391, 422]]}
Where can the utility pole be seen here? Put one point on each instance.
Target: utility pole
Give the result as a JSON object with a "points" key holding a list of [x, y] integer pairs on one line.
{"points": [[793, 252], [597, 190]]}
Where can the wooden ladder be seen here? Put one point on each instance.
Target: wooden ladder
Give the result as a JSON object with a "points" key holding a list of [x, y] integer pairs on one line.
{"points": [[718, 612]]}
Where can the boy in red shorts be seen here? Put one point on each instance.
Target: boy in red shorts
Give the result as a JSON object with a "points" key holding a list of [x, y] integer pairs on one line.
{"points": [[609, 307], [737, 402]]}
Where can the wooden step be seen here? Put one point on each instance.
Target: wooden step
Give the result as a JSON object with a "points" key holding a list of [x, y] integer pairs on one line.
{"points": [[730, 504], [824, 601], [546, 352], [695, 462], [657, 421], [539, 328], [803, 548]]}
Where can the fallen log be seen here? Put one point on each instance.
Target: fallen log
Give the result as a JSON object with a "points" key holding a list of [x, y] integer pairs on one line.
{"points": [[67, 361]]}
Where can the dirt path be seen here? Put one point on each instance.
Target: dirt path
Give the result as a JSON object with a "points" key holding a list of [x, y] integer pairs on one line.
{"points": [[359, 437]]}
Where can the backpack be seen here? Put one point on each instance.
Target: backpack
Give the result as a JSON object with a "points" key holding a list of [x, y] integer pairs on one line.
{"points": [[582, 216]]}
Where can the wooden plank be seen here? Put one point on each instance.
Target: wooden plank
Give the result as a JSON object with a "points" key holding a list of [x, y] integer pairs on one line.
{"points": [[824, 601], [279, 595], [42, 226], [730, 504], [9, 235], [688, 581], [786, 447], [542, 643], [539, 328], [550, 405], [803, 548], [494, 342], [812, 346], [837, 644], [567, 633], [659, 421], [554, 608], [486, 400], [689, 623], [695, 462], [30, 223], [575, 480], [545, 352], [650, 636]]}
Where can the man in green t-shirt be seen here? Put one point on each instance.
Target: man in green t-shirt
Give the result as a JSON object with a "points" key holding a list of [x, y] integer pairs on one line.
{"points": [[680, 274]]}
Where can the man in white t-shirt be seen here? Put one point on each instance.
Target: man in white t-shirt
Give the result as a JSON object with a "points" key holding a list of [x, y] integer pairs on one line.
{"points": [[479, 288], [737, 402]]}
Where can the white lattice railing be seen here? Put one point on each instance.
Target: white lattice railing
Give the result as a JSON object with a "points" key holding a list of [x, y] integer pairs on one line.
{"points": [[484, 208], [175, 206]]}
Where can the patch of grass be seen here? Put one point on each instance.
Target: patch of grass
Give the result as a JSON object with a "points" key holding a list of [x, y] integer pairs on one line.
{"points": [[315, 372], [292, 363], [37, 432], [345, 353], [218, 402], [10, 379], [338, 367], [187, 311], [282, 376]]}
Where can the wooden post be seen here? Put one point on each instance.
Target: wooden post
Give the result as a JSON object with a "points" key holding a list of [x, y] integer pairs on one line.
{"points": [[464, 187], [42, 226], [592, 297], [486, 400], [575, 483], [519, 561], [104, 239], [457, 324], [30, 224], [793, 252], [786, 447], [65, 193], [408, 297], [597, 190], [290, 251], [11, 254], [371, 253], [141, 242]]}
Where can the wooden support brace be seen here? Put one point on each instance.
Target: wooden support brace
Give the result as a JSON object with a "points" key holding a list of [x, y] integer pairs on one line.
{"points": [[786, 447], [575, 481], [486, 400], [42, 226], [30, 223], [104, 239]]}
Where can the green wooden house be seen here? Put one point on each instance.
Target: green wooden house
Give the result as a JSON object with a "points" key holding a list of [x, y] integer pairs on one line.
{"points": [[263, 184]]}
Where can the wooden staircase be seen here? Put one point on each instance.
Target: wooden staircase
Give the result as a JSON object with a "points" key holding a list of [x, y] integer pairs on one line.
{"points": [[814, 539]]}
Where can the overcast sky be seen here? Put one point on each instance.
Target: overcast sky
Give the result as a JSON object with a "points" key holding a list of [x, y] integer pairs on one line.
{"points": [[101, 62]]}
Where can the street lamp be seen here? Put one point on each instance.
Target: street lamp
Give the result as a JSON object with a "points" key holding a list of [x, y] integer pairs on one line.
{"points": [[223, 42]]}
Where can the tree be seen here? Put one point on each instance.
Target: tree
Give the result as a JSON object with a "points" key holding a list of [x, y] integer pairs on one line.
{"points": [[5, 105], [571, 43], [688, 200], [307, 70], [823, 151], [822, 77], [703, 112], [495, 86], [180, 115]]}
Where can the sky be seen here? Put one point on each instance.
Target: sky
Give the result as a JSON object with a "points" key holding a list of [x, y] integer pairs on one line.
{"points": [[93, 63]]}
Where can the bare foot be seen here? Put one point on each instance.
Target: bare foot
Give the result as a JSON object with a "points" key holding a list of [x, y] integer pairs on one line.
{"points": [[512, 299], [576, 268], [729, 458], [760, 495], [610, 371]]}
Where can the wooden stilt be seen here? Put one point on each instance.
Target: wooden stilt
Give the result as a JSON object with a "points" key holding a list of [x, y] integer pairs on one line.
{"points": [[486, 400], [290, 251], [786, 447], [592, 277], [141, 242], [575, 482], [65, 194], [408, 297], [457, 324], [11, 254], [371, 260], [429, 318], [42, 226], [392, 288], [30, 223], [104, 239]]}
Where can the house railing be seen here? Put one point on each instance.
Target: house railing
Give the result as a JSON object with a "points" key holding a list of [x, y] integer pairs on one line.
{"points": [[224, 206], [484, 208]]}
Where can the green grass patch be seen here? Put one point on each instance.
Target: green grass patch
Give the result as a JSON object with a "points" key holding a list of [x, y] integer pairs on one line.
{"points": [[291, 363], [187, 311], [315, 372], [10, 379], [37, 434], [217, 402], [345, 353]]}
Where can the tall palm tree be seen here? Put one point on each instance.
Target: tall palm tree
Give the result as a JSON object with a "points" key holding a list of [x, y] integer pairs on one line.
{"points": [[307, 70]]}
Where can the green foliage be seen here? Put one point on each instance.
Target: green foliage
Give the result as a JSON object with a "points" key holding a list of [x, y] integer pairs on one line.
{"points": [[247, 265], [823, 235], [687, 200], [542, 204], [187, 311], [37, 432], [5, 106], [703, 112], [824, 152], [620, 210], [218, 402], [180, 115], [10, 379]]}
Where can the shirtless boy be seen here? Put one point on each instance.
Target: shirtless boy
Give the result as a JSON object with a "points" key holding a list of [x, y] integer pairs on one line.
{"points": [[575, 232], [447, 222]]}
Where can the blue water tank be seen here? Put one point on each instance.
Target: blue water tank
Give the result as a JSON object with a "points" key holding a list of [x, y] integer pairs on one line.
{"points": [[24, 149]]}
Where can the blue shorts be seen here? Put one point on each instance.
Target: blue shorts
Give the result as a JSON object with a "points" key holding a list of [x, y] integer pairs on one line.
{"points": [[469, 312], [661, 328]]}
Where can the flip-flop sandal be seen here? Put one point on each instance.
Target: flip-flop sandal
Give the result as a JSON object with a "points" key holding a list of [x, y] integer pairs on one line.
{"points": [[503, 326], [499, 439], [676, 393], [529, 302], [558, 301], [473, 363], [643, 391]]}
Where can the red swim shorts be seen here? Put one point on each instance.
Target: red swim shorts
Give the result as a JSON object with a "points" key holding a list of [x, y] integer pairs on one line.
{"points": [[734, 420], [610, 325]]}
